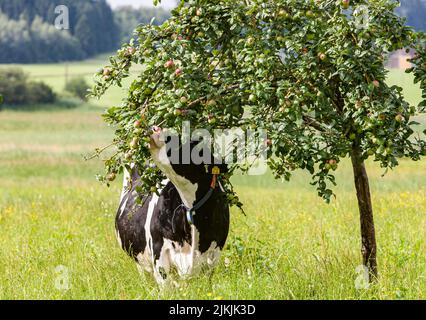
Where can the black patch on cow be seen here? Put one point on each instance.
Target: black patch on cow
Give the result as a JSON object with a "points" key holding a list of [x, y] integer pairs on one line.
{"points": [[130, 224]]}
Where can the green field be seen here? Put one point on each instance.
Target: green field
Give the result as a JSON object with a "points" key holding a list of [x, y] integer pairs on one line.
{"points": [[56, 75], [289, 246]]}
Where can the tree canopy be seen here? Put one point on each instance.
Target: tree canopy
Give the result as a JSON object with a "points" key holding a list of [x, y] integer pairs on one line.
{"points": [[304, 69]]}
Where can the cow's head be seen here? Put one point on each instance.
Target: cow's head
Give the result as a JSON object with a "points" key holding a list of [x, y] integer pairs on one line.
{"points": [[188, 165]]}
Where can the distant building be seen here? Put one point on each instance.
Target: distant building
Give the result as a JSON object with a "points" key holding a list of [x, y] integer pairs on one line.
{"points": [[398, 59]]}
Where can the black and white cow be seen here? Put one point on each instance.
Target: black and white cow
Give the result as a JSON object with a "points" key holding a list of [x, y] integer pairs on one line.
{"points": [[184, 227]]}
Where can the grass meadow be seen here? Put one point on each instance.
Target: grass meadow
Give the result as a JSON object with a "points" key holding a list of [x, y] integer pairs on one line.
{"points": [[57, 237]]}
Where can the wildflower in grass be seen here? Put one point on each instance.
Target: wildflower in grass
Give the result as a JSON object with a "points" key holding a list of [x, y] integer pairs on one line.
{"points": [[249, 274], [227, 262]]}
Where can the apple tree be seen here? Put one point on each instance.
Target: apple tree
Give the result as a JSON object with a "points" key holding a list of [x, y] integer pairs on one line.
{"points": [[311, 72]]}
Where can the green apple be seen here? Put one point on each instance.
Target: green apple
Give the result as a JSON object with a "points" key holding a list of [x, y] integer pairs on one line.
{"points": [[111, 177], [399, 118], [252, 98], [134, 143], [309, 14], [211, 119], [211, 103], [283, 14], [358, 104], [250, 41]]}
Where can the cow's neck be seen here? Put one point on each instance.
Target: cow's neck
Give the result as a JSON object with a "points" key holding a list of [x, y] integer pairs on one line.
{"points": [[186, 189]]}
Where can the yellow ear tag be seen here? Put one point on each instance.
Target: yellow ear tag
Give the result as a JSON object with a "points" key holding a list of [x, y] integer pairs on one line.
{"points": [[216, 170]]}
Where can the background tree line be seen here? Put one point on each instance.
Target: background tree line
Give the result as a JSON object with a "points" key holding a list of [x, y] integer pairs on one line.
{"points": [[28, 35], [30, 24], [128, 18]]}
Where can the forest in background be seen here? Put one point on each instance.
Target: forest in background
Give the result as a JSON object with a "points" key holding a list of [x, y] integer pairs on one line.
{"points": [[28, 33]]}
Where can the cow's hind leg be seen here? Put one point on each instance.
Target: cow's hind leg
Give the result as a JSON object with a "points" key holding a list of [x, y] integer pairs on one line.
{"points": [[162, 266]]}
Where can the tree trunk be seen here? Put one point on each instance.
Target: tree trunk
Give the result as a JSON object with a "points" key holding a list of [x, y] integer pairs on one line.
{"points": [[368, 234]]}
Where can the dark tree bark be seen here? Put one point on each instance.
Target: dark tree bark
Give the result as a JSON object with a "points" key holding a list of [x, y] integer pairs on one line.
{"points": [[368, 234]]}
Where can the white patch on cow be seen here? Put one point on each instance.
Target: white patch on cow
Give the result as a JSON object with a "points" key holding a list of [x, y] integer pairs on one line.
{"points": [[126, 182], [126, 188], [206, 260], [119, 238], [186, 259], [183, 257], [163, 184], [186, 189], [144, 261], [123, 207], [148, 236], [162, 265]]}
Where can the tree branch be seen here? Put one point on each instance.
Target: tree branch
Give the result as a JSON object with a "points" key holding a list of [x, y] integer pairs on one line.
{"points": [[313, 123], [235, 86]]}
